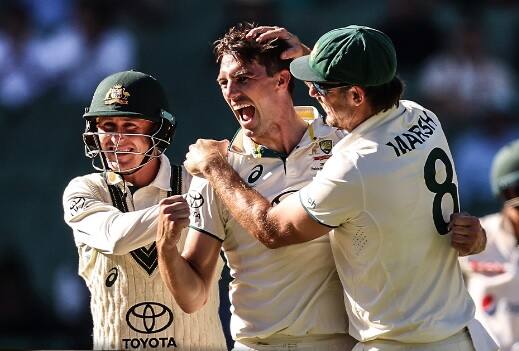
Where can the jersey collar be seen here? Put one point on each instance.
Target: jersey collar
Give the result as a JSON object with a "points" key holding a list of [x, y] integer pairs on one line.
{"points": [[376, 120]]}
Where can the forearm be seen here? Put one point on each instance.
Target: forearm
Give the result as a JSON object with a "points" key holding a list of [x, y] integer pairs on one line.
{"points": [[181, 279], [252, 211], [114, 232]]}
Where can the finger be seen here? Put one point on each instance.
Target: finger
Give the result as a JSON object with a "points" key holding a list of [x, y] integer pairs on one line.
{"points": [[175, 208], [462, 240], [466, 222], [463, 218], [464, 231], [172, 199], [278, 33], [177, 217], [253, 33]]}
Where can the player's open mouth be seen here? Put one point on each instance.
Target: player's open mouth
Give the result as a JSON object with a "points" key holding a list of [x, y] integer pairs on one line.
{"points": [[246, 113]]}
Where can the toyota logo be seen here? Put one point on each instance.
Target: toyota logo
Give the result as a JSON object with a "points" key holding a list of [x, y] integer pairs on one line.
{"points": [[149, 317], [194, 199]]}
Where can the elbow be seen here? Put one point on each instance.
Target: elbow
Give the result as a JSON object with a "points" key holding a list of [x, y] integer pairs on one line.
{"points": [[191, 306], [272, 239], [272, 244]]}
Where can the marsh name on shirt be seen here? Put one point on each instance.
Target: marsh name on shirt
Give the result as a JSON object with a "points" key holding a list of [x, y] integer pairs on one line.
{"points": [[417, 134]]}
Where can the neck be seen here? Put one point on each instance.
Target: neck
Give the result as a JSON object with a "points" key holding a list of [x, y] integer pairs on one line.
{"points": [[284, 135], [364, 113], [145, 175]]}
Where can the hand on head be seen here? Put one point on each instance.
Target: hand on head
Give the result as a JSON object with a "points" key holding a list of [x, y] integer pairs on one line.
{"points": [[203, 154], [265, 33]]}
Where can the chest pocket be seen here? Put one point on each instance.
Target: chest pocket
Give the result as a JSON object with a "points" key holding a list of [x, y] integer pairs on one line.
{"points": [[146, 257]]}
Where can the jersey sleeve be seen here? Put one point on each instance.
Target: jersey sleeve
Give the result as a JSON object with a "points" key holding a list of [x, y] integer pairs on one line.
{"points": [[334, 195], [207, 213], [102, 226]]}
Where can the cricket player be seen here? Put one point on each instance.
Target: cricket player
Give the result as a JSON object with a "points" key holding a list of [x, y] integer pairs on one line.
{"points": [[493, 275], [114, 215], [386, 193], [289, 298]]}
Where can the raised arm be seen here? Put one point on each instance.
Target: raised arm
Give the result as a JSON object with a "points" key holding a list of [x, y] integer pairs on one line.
{"points": [[188, 276], [100, 225], [285, 224]]}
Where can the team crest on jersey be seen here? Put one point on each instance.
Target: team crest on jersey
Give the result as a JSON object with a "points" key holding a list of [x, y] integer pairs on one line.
{"points": [[117, 95], [326, 146]]}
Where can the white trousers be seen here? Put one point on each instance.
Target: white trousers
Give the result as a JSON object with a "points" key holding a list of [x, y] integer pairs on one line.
{"points": [[336, 342], [472, 338]]}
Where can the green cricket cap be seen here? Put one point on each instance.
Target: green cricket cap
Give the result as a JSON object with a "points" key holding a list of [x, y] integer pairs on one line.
{"points": [[129, 93], [355, 55], [505, 168]]}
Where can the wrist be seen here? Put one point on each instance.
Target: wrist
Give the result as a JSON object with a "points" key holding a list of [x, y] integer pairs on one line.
{"points": [[167, 247], [213, 165]]}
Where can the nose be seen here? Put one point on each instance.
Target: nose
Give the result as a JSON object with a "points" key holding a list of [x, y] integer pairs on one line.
{"points": [[231, 91], [312, 91], [116, 138]]}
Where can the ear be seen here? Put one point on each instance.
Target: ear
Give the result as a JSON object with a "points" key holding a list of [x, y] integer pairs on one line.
{"points": [[358, 95], [284, 79]]}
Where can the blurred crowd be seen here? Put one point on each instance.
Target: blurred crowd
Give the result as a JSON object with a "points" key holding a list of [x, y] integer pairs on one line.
{"points": [[458, 57]]}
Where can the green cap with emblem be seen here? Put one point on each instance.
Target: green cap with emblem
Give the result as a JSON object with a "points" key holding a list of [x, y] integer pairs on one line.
{"points": [[355, 55], [130, 93], [505, 168]]}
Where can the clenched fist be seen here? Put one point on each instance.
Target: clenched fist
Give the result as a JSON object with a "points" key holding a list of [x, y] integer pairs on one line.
{"points": [[468, 237], [203, 154], [173, 217]]}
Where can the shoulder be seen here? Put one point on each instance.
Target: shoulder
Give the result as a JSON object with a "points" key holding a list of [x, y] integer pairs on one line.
{"points": [[414, 109], [86, 181], [88, 185]]}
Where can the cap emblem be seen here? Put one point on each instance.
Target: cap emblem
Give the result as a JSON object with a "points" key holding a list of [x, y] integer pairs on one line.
{"points": [[117, 95]]}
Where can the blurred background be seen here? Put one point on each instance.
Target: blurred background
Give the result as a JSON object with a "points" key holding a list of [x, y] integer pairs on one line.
{"points": [[458, 58]]}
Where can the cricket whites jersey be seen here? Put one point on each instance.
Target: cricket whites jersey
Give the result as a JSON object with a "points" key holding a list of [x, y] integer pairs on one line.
{"points": [[493, 281], [131, 307], [292, 291], [388, 191]]}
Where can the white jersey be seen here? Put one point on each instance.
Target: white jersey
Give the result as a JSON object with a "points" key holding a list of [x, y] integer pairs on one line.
{"points": [[388, 191], [288, 292], [493, 281], [131, 307]]}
